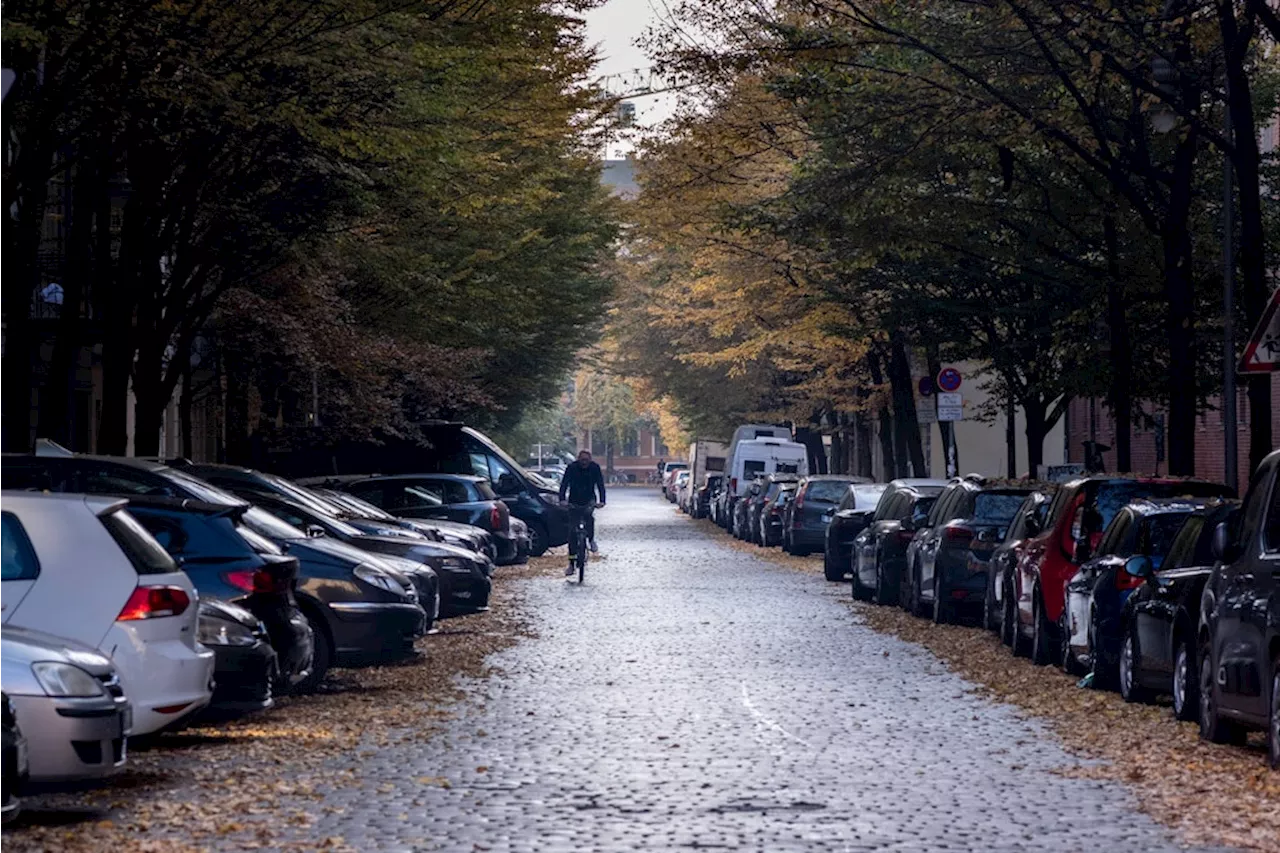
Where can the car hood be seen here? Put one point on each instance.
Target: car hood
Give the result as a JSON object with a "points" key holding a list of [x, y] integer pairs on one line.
{"points": [[26, 646]]}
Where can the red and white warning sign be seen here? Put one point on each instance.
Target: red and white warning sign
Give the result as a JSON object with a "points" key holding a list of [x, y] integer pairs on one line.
{"points": [[1262, 353]]}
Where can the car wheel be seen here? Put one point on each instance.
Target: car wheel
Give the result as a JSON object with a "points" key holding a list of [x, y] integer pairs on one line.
{"points": [[786, 544], [322, 656], [1213, 727], [829, 571], [860, 592], [940, 609], [1186, 683], [1067, 657], [1040, 637], [1130, 689], [989, 620], [538, 542], [883, 594], [1273, 727]]}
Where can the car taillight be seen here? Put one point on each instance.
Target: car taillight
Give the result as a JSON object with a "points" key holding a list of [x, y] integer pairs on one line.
{"points": [[957, 534], [495, 519], [906, 535], [1126, 581], [733, 483], [259, 581], [153, 602], [800, 501], [774, 511]]}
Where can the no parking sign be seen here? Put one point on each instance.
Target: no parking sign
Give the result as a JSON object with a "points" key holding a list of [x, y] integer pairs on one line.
{"points": [[949, 379]]}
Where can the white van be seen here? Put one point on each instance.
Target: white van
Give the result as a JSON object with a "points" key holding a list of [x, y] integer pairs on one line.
{"points": [[757, 456]]}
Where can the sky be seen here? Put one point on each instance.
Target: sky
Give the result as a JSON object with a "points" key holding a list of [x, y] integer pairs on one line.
{"points": [[615, 27]]}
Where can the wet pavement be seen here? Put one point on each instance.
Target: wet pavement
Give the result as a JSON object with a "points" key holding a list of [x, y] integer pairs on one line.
{"points": [[692, 697]]}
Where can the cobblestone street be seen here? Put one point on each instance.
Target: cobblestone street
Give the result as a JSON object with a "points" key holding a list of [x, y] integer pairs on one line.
{"points": [[690, 697]]}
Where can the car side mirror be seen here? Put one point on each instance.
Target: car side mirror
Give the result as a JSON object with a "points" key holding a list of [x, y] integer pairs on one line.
{"points": [[314, 531], [1033, 527], [986, 536], [1223, 547], [1081, 552], [1139, 566], [506, 485]]}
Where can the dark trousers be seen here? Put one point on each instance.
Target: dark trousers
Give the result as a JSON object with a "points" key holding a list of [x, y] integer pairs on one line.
{"points": [[582, 510]]}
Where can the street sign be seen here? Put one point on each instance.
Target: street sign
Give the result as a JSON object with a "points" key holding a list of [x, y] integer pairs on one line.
{"points": [[1262, 353], [926, 413], [925, 386], [950, 406], [949, 379]]}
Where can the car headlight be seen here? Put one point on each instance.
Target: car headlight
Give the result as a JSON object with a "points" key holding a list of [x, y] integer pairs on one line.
{"points": [[212, 631], [374, 576], [66, 681], [549, 499], [455, 564]]}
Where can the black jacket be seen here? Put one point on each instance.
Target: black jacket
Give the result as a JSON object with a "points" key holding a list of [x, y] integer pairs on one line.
{"points": [[582, 483]]}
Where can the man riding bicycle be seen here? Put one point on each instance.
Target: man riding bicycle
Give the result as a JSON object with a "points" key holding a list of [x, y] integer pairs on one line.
{"points": [[582, 479]]}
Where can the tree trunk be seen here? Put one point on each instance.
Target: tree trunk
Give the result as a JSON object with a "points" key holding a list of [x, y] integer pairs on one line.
{"points": [[862, 443], [1252, 254], [886, 423], [1180, 296], [1011, 438], [1120, 394], [184, 412], [904, 406], [1036, 414], [236, 412]]}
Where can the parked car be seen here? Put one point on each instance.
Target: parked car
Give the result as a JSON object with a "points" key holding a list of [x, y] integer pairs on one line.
{"points": [[69, 706], [880, 551], [680, 489], [230, 563], [722, 506], [1080, 511], [772, 510], [463, 576], [460, 498], [742, 507], [362, 609], [359, 611], [1239, 631], [773, 484], [1162, 614], [849, 517], [1093, 620], [998, 603], [669, 471], [83, 568], [702, 500], [245, 665], [804, 525], [947, 559], [14, 760], [453, 533], [454, 448]]}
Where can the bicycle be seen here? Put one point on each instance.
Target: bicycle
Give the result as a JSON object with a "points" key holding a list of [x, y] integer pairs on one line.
{"points": [[578, 545]]}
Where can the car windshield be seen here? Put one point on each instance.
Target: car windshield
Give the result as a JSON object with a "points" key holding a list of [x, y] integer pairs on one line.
{"points": [[360, 507], [1161, 530], [1112, 496], [306, 497], [825, 490], [866, 497], [271, 526], [199, 489], [997, 507]]}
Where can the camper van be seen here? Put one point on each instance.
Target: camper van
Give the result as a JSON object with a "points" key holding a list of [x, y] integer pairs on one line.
{"points": [[757, 456], [705, 457]]}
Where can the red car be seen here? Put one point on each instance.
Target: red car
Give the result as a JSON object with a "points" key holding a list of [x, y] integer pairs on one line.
{"points": [[1080, 511]]}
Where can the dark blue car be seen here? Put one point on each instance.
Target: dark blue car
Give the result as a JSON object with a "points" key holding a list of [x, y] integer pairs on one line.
{"points": [[1096, 595]]}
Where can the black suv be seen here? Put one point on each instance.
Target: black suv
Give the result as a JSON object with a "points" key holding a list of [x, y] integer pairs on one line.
{"points": [[880, 551], [1239, 632]]}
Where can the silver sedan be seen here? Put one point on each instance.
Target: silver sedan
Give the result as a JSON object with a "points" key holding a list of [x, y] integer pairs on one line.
{"points": [[69, 706]]}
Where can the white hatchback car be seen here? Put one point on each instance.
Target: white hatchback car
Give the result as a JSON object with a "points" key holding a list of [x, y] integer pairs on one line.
{"points": [[81, 567]]}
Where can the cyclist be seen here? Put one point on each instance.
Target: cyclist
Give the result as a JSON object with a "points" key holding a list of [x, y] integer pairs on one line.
{"points": [[582, 479]]}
